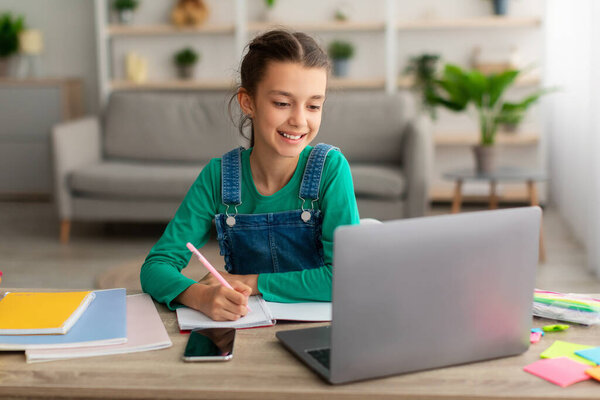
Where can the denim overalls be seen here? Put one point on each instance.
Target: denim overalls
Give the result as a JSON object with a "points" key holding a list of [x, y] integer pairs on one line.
{"points": [[273, 242]]}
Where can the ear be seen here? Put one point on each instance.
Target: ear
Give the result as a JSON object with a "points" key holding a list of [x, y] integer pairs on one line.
{"points": [[245, 101]]}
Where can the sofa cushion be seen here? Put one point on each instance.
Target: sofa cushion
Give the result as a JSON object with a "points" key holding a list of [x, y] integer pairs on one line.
{"points": [[366, 126], [135, 180], [168, 126], [385, 182]]}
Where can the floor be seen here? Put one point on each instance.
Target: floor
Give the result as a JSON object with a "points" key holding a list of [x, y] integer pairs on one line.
{"points": [[31, 255]]}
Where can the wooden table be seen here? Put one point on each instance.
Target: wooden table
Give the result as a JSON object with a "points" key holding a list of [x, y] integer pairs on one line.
{"points": [[263, 369]]}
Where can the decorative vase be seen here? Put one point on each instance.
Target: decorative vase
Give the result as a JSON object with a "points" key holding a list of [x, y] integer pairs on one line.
{"points": [[500, 7], [485, 158], [125, 16], [341, 67], [186, 71]]}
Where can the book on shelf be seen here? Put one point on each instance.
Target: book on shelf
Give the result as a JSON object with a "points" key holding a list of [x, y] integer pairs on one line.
{"points": [[42, 313], [264, 313]]}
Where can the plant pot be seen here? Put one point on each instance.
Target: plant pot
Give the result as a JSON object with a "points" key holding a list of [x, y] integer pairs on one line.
{"points": [[485, 158], [5, 66], [500, 7], [341, 67], [186, 71], [125, 16]]}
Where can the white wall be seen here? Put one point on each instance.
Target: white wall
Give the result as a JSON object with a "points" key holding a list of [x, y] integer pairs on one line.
{"points": [[573, 120], [69, 39]]}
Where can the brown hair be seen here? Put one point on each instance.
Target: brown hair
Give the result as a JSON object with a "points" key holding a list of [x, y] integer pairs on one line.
{"points": [[280, 46]]}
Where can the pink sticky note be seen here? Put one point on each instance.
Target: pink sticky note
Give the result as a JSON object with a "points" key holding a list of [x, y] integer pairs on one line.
{"points": [[561, 371], [535, 337]]}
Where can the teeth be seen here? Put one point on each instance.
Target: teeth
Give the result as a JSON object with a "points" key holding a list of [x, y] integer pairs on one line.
{"points": [[290, 136]]}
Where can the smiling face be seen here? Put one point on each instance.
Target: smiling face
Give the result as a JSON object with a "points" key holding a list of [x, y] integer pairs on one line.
{"points": [[286, 108]]}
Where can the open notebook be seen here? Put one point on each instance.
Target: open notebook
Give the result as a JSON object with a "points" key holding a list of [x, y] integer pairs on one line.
{"points": [[264, 313]]}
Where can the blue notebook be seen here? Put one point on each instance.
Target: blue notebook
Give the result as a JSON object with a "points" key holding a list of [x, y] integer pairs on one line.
{"points": [[103, 323]]}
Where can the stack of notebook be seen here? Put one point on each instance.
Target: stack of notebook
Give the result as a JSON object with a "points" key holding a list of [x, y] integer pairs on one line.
{"points": [[63, 325]]}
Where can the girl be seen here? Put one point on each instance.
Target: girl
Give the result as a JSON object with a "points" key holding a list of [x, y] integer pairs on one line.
{"points": [[275, 205]]}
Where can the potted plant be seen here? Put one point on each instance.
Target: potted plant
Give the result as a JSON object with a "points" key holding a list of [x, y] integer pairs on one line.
{"points": [[185, 60], [125, 9], [340, 52], [423, 68], [269, 11], [342, 12], [460, 88], [10, 28], [500, 7]]}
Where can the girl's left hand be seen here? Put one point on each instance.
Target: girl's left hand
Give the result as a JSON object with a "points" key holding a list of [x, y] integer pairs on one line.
{"points": [[248, 280]]}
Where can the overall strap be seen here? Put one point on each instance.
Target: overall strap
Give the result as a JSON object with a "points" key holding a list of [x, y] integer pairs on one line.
{"points": [[231, 177], [309, 189]]}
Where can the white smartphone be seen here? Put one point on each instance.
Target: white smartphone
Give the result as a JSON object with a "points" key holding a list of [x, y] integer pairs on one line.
{"points": [[213, 344]]}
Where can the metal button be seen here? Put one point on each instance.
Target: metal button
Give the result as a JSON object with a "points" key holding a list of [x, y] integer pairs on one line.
{"points": [[230, 221], [305, 216]]}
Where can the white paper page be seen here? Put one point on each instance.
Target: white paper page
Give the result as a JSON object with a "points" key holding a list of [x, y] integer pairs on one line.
{"points": [[313, 311], [259, 316]]}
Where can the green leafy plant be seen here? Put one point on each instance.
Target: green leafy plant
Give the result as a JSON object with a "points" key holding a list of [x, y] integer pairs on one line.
{"points": [[461, 88], [10, 28], [186, 57], [270, 3], [340, 50], [122, 5], [423, 68]]}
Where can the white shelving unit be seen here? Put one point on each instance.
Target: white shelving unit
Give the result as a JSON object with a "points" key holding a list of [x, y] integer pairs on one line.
{"points": [[387, 30], [241, 29]]}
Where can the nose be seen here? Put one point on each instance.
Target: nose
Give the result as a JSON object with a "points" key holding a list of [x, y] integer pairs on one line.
{"points": [[297, 117]]}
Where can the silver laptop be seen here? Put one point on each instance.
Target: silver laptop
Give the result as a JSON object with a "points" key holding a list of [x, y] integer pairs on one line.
{"points": [[423, 293]]}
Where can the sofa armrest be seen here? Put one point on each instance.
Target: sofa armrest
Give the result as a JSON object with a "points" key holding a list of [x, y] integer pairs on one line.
{"points": [[74, 144], [417, 161]]}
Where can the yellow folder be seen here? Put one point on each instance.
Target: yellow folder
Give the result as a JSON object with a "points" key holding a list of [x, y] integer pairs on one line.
{"points": [[31, 313]]}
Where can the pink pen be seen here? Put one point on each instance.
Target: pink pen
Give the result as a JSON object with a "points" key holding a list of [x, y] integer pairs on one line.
{"points": [[210, 268]]}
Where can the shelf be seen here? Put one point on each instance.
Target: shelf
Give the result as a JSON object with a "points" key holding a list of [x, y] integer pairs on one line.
{"points": [[205, 84], [348, 83], [165, 29], [502, 138], [38, 81], [333, 26], [508, 194], [468, 23], [406, 82], [216, 84]]}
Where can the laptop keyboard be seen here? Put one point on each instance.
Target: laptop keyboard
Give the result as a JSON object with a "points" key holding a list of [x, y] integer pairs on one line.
{"points": [[321, 355]]}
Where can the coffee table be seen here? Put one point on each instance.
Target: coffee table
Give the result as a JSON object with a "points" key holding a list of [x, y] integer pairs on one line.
{"points": [[501, 174]]}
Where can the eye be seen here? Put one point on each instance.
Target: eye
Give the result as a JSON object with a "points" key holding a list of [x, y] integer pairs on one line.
{"points": [[314, 108], [280, 104]]}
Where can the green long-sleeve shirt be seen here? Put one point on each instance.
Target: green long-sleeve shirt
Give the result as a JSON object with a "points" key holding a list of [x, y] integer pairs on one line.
{"points": [[161, 272]]}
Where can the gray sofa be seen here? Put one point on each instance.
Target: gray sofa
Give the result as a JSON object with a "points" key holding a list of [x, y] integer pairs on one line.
{"points": [[137, 162]]}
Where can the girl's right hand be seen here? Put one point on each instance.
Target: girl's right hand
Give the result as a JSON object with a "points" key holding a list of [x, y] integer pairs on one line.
{"points": [[217, 301]]}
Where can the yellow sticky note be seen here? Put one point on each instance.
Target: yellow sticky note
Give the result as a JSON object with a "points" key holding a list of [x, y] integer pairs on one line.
{"points": [[566, 349], [41, 313]]}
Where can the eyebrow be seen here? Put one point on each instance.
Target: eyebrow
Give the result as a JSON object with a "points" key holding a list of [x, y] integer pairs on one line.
{"points": [[287, 94]]}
